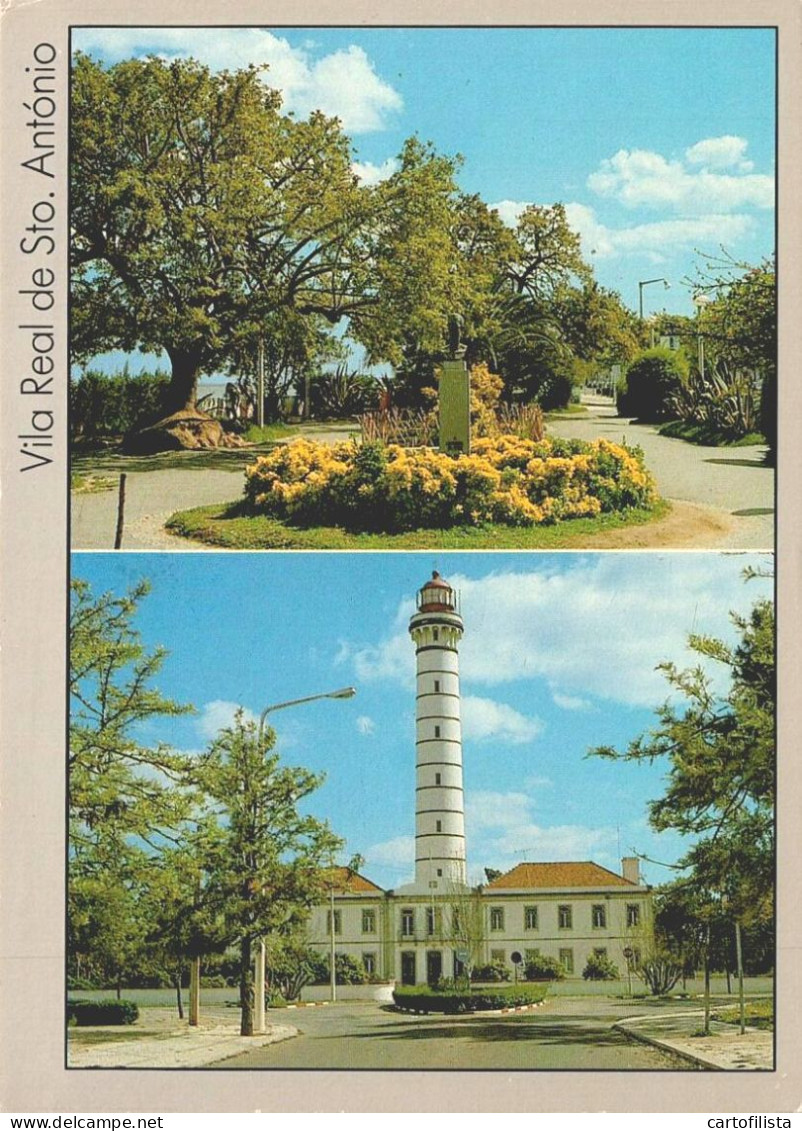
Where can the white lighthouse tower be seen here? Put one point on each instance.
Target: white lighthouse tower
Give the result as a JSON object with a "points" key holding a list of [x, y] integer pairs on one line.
{"points": [[436, 630]]}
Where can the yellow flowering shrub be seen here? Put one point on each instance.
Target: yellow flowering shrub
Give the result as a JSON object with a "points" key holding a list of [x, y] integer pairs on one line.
{"points": [[505, 479]]}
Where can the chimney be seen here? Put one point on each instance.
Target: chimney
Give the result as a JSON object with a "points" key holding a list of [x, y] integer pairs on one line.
{"points": [[630, 869]]}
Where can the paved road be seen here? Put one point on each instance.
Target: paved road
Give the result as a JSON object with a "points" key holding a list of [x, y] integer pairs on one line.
{"points": [[733, 481], [564, 1033]]}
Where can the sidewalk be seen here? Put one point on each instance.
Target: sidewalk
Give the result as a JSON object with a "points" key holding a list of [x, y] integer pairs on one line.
{"points": [[725, 1049], [167, 1042]]}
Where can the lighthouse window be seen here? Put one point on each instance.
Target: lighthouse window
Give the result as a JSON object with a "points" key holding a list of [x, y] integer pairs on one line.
{"points": [[437, 779], [436, 634], [438, 826], [437, 732], [437, 685]]}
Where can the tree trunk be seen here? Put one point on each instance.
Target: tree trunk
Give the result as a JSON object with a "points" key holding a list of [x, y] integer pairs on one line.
{"points": [[182, 393], [246, 988], [178, 999]]}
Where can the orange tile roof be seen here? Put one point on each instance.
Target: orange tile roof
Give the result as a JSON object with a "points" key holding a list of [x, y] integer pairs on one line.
{"points": [[572, 874], [351, 883]]}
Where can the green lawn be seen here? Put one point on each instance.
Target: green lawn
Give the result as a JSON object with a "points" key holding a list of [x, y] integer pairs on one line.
{"points": [[695, 433], [225, 525], [759, 1014]]}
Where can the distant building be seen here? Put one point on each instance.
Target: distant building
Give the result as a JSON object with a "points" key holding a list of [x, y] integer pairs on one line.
{"points": [[436, 925]]}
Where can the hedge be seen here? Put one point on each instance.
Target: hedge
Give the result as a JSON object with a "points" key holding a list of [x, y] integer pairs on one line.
{"points": [[424, 999], [108, 1012]]}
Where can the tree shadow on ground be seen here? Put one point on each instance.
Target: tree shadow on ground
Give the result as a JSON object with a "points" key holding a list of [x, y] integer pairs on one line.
{"points": [[740, 462], [220, 459], [550, 1033]]}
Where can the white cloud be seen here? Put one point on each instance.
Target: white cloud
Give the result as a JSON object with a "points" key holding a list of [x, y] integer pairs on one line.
{"points": [[641, 178], [503, 833], [720, 153], [343, 84], [365, 725], [510, 210], [398, 852], [484, 719], [219, 714], [656, 238], [571, 702], [370, 174], [594, 630]]}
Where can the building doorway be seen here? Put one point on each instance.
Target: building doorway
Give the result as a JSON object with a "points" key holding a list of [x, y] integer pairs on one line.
{"points": [[408, 968], [434, 966]]}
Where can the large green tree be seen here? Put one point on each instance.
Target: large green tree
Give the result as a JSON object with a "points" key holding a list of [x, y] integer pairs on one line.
{"points": [[125, 796], [200, 212], [264, 859], [719, 753]]}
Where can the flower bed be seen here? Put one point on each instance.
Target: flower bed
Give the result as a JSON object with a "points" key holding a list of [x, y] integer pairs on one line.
{"points": [[505, 479], [425, 999]]}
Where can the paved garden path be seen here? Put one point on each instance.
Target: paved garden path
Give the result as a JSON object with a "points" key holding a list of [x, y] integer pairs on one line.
{"points": [[733, 485]]}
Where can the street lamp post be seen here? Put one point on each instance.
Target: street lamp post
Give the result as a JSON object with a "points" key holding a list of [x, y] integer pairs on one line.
{"points": [[700, 301], [647, 283], [259, 972]]}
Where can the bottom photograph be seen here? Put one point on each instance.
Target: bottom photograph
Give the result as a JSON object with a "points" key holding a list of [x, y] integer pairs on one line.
{"points": [[421, 811]]}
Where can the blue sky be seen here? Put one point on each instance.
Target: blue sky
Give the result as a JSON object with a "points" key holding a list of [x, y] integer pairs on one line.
{"points": [[659, 141], [559, 655]]}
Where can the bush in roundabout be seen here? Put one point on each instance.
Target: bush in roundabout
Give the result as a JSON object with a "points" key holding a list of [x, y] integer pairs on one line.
{"points": [[428, 999], [505, 479]]}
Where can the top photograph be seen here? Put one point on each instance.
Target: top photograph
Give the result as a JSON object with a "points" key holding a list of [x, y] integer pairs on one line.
{"points": [[424, 288]]}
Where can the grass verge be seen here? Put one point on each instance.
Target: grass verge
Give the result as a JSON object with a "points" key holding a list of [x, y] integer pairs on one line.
{"points": [[759, 1015], [705, 434], [228, 526]]}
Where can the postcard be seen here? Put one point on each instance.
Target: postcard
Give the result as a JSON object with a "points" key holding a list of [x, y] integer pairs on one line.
{"points": [[399, 437]]}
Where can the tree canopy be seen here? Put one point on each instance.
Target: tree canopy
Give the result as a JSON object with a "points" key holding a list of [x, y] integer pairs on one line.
{"points": [[719, 750]]}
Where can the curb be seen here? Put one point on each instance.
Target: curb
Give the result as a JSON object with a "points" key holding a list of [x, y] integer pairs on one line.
{"points": [[667, 1046]]}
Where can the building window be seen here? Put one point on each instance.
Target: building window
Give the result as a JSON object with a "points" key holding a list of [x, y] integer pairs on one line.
{"points": [[531, 955], [368, 922], [565, 916], [567, 960], [496, 918], [498, 956], [437, 732], [598, 915], [369, 962], [407, 921], [432, 920], [456, 921], [600, 951], [338, 922], [436, 685], [530, 918], [633, 914], [437, 779]]}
